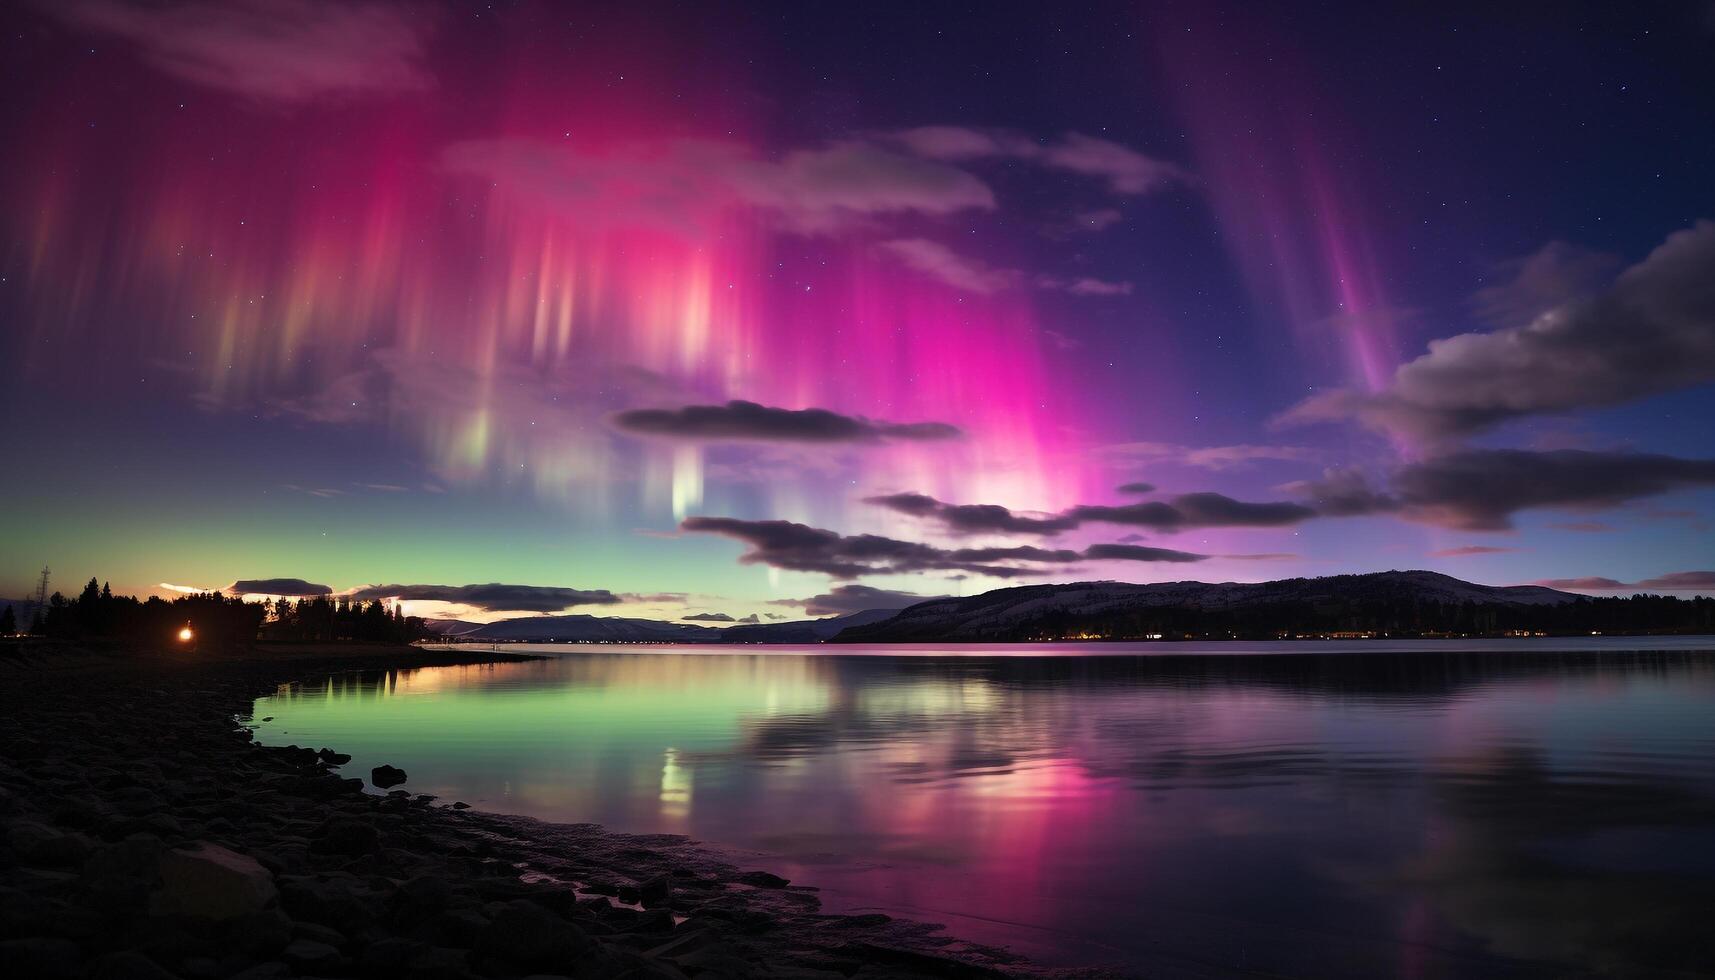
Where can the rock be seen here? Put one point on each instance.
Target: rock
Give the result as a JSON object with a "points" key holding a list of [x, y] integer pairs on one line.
{"points": [[346, 835], [259, 934], [526, 933], [461, 805], [656, 890], [439, 963], [387, 956], [336, 900], [312, 957], [126, 965], [122, 875], [427, 893], [272, 970], [43, 846], [762, 879], [39, 957], [333, 758], [386, 776], [209, 881]]}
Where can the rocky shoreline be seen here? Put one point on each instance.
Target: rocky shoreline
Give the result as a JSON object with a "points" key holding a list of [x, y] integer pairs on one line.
{"points": [[147, 835]]}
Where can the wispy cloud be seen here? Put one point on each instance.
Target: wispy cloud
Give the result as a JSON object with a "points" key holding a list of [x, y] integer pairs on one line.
{"points": [[279, 51]]}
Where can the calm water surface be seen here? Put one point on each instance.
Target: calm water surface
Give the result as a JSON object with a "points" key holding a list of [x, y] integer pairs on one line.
{"points": [[1443, 814]]}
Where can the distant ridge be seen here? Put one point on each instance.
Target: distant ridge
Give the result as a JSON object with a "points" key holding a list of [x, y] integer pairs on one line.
{"points": [[1392, 603], [1378, 604], [617, 629]]}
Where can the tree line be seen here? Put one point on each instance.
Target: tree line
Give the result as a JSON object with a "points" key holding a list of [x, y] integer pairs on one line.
{"points": [[214, 619], [1400, 617]]}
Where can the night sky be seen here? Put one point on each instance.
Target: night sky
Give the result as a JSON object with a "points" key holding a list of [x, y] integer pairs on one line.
{"points": [[773, 310]]}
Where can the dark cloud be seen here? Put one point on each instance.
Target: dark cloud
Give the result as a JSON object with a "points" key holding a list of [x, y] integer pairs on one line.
{"points": [[708, 617], [1184, 511], [1589, 583], [493, 597], [1553, 276], [1671, 582], [843, 599], [752, 618], [744, 420], [1343, 492], [1137, 552], [973, 518], [1703, 581], [1584, 527], [1481, 490], [276, 586], [1652, 331], [1137, 488], [1469, 549], [797, 547]]}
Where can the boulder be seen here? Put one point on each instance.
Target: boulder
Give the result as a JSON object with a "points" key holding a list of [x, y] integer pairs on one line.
{"points": [[39, 845], [346, 835], [208, 881], [386, 776], [39, 957], [528, 934]]}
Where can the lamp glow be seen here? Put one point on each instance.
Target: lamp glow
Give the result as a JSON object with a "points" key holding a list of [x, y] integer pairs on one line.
{"points": [[185, 634]]}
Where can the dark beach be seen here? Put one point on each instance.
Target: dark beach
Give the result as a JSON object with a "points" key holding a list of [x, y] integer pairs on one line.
{"points": [[147, 835]]}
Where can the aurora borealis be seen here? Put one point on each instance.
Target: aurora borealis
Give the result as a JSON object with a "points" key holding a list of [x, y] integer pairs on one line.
{"points": [[680, 310]]}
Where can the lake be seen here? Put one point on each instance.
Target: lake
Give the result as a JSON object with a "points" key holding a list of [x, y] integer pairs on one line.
{"points": [[1338, 810]]}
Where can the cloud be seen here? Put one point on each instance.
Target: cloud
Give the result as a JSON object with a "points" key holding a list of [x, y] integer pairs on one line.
{"points": [[742, 420], [492, 597], [1651, 332], [1671, 582], [1134, 552], [1202, 509], [1342, 492], [973, 518], [1589, 583], [941, 263], [1681, 581], [1469, 549], [1555, 275], [686, 182], [1481, 489], [752, 618], [709, 617], [1098, 287], [1205, 457], [1125, 170], [1188, 510], [800, 548], [1136, 488], [295, 587], [845, 599], [281, 51]]}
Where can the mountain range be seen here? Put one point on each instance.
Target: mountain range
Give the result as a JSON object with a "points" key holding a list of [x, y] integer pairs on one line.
{"points": [[1394, 603]]}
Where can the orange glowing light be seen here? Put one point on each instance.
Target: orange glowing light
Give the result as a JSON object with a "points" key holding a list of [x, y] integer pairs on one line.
{"points": [[185, 634]]}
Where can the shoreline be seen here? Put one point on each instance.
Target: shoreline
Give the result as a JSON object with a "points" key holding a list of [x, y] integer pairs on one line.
{"points": [[148, 835]]}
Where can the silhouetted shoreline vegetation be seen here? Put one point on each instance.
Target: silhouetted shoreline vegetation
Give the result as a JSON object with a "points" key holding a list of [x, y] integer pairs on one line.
{"points": [[216, 619]]}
